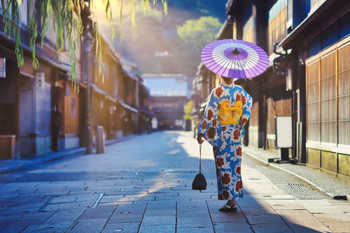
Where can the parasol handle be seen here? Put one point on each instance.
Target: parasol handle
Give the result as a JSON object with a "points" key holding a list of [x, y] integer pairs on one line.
{"points": [[200, 158]]}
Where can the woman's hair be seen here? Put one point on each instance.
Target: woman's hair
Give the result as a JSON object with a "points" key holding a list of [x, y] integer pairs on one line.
{"points": [[226, 79]]}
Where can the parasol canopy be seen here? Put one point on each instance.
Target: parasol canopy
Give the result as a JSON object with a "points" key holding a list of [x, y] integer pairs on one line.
{"points": [[235, 58]]}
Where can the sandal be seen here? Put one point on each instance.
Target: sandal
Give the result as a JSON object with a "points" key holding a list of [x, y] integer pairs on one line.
{"points": [[227, 208]]}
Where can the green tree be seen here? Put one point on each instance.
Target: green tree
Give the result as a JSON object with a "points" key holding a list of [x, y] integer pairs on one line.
{"points": [[200, 32]]}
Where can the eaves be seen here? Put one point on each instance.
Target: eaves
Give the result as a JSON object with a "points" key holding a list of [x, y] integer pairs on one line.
{"points": [[323, 16]]}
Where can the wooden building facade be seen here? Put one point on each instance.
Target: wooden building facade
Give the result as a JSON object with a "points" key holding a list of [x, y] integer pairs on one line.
{"points": [[42, 112]]}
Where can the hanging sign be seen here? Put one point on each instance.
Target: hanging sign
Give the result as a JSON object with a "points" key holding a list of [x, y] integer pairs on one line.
{"points": [[40, 80], [2, 67]]}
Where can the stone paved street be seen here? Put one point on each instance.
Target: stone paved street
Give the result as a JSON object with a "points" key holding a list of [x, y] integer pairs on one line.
{"points": [[143, 185]]}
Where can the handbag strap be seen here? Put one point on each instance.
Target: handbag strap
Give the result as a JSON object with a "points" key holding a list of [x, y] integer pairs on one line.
{"points": [[200, 158]]}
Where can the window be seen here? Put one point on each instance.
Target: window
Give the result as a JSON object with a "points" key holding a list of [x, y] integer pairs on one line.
{"points": [[328, 99], [313, 102], [328, 108], [277, 19], [344, 95]]}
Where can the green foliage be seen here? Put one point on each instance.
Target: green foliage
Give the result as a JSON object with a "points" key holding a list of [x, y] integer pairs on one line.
{"points": [[200, 32]]}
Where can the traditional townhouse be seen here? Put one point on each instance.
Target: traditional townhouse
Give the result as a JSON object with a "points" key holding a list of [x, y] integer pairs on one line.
{"points": [[41, 111], [28, 96], [318, 35]]}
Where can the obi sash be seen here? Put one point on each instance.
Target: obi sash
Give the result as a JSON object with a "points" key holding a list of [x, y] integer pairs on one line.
{"points": [[230, 115]]}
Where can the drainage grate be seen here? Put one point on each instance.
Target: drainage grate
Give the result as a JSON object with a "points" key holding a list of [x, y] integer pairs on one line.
{"points": [[298, 186]]}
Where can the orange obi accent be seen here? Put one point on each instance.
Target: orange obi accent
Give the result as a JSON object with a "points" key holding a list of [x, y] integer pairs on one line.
{"points": [[230, 115]]}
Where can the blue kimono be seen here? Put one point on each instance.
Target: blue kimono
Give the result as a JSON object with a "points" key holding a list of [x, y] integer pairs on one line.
{"points": [[226, 138]]}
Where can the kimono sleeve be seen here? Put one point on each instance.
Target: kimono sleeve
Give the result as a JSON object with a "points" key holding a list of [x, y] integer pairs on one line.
{"points": [[210, 126], [247, 104]]}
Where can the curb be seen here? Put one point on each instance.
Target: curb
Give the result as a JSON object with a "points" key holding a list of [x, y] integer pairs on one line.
{"points": [[23, 164], [335, 197], [54, 156]]}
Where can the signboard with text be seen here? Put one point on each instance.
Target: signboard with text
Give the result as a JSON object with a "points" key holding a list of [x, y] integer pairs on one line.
{"points": [[2, 67]]}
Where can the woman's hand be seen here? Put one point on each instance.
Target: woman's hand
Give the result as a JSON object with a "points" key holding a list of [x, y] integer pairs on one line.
{"points": [[200, 139]]}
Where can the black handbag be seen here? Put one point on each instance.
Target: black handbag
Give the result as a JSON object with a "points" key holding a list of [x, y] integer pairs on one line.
{"points": [[199, 182]]}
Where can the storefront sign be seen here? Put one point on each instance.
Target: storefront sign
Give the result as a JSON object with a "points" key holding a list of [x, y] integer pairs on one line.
{"points": [[2, 67]]}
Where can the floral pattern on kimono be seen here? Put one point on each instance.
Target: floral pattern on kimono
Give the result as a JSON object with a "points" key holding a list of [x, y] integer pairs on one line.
{"points": [[226, 139]]}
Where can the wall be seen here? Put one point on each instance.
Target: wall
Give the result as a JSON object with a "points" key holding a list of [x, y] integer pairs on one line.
{"points": [[328, 108]]}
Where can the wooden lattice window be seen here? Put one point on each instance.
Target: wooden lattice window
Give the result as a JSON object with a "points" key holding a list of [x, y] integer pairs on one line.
{"points": [[344, 95], [328, 99], [277, 20], [313, 102]]}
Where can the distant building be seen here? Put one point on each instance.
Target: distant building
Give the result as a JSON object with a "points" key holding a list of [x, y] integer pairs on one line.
{"points": [[169, 94]]}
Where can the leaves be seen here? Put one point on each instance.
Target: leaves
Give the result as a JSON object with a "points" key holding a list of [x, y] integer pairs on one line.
{"points": [[198, 33]]}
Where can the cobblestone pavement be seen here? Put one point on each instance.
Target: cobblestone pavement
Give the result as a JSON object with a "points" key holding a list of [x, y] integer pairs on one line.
{"points": [[143, 185]]}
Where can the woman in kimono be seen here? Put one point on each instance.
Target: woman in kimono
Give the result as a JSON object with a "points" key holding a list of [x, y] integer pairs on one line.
{"points": [[226, 113]]}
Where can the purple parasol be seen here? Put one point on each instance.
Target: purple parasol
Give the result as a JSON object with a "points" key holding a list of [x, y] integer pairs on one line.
{"points": [[235, 58]]}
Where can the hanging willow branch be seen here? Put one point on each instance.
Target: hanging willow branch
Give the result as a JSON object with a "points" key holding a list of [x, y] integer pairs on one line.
{"points": [[66, 20]]}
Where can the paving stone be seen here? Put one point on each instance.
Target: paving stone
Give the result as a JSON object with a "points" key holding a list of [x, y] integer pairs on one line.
{"points": [[37, 217], [333, 217], [258, 210], [135, 208], [65, 216], [161, 204], [11, 214], [194, 222], [233, 227], [314, 229], [98, 212], [29, 229], [228, 217], [302, 218], [160, 212], [195, 230], [166, 197], [193, 213], [158, 220], [254, 203], [66, 206], [111, 198], [153, 229], [64, 199], [12, 229], [126, 217], [89, 225], [339, 227], [264, 218], [121, 227], [285, 205], [54, 227], [271, 228]]}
